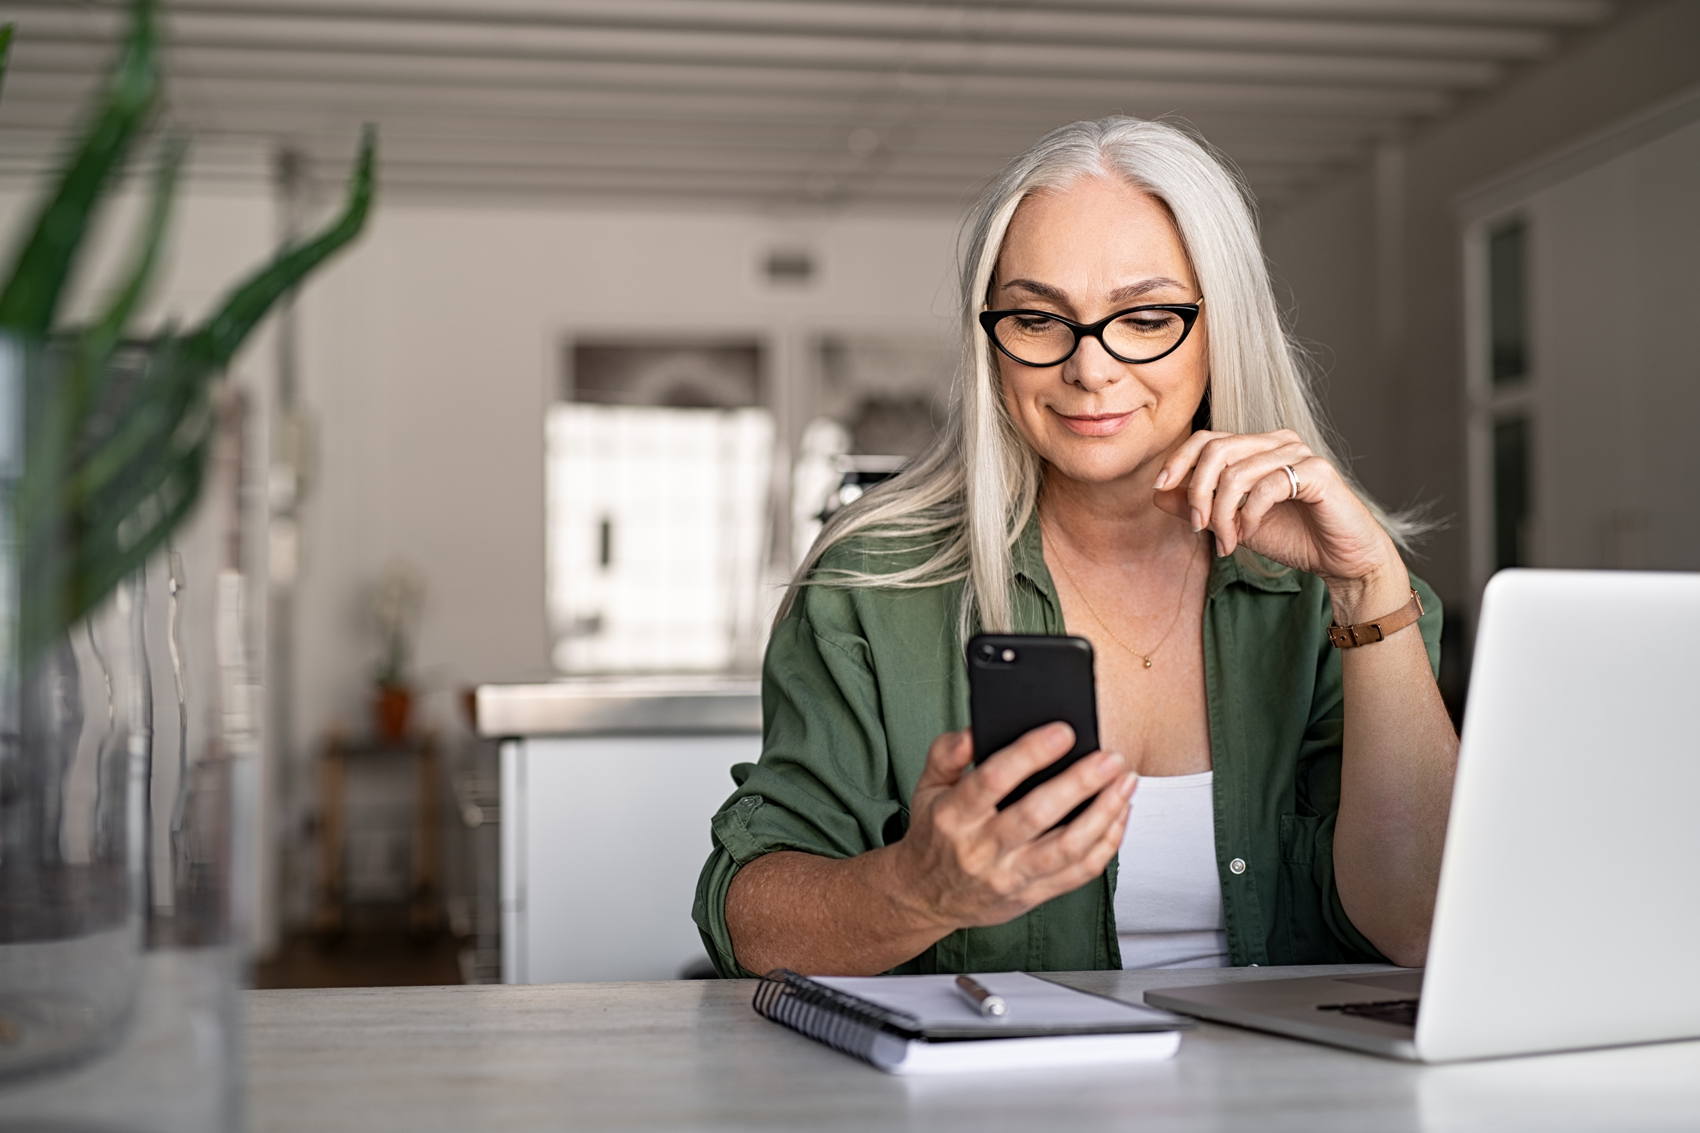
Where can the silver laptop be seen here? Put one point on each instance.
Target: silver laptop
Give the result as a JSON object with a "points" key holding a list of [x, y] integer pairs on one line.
{"points": [[1569, 896]]}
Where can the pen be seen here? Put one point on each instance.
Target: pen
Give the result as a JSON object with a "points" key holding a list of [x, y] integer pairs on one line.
{"points": [[990, 1006]]}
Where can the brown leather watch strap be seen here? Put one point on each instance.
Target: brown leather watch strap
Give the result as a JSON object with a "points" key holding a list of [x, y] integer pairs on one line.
{"points": [[1364, 633]]}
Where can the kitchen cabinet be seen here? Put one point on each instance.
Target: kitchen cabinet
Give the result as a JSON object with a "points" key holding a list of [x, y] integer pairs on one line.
{"points": [[607, 790]]}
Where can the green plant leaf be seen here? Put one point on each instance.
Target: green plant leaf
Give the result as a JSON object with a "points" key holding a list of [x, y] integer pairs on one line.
{"points": [[219, 337], [6, 31], [122, 501], [107, 513], [77, 584], [30, 298], [87, 380], [150, 423]]}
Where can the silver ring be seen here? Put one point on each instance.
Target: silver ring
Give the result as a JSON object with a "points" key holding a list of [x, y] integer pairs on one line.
{"points": [[1293, 479]]}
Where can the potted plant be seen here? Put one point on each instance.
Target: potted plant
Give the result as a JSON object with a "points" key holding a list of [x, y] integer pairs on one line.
{"points": [[396, 605]]}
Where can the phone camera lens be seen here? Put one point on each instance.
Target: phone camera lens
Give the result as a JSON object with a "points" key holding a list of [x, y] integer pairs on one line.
{"points": [[1009, 654], [988, 653]]}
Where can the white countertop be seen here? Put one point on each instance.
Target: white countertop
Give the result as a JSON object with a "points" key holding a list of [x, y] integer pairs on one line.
{"points": [[693, 1055], [658, 705]]}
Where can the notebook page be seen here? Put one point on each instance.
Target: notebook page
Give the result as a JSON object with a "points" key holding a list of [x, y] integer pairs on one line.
{"points": [[1033, 1002]]}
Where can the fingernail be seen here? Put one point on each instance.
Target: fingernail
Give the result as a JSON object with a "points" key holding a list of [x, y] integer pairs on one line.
{"points": [[1197, 521], [1162, 479], [1219, 551], [1107, 760], [1129, 781]]}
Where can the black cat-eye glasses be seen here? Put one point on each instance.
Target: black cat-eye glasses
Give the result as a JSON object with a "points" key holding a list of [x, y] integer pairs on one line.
{"points": [[1135, 335]]}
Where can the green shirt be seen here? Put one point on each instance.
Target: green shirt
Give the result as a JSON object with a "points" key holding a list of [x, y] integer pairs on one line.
{"points": [[858, 682]]}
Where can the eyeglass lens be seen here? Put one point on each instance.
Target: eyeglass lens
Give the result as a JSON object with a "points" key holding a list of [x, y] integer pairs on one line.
{"points": [[1040, 341]]}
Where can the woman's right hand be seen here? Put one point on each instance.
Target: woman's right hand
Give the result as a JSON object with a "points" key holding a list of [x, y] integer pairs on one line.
{"points": [[964, 863]]}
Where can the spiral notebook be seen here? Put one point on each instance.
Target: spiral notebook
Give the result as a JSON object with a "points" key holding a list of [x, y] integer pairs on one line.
{"points": [[922, 1025]]}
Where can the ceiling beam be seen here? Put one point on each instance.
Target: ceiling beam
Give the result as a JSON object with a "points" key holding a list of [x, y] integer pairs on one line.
{"points": [[1024, 27], [457, 78], [375, 39]]}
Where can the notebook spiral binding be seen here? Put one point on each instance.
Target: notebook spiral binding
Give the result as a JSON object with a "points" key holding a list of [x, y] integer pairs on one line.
{"points": [[842, 1022]]}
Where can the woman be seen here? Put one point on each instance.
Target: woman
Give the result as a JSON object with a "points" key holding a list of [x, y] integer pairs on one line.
{"points": [[1134, 458]]}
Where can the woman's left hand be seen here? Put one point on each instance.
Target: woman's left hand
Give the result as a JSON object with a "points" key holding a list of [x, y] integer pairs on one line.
{"points": [[1236, 485]]}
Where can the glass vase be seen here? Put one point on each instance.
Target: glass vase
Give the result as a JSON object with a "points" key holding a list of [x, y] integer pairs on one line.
{"points": [[73, 768], [119, 963]]}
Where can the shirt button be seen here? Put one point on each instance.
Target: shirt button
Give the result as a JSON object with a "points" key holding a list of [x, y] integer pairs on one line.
{"points": [[1237, 866]]}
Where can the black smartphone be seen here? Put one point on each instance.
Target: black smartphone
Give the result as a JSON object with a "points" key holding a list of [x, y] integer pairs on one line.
{"points": [[1018, 682]]}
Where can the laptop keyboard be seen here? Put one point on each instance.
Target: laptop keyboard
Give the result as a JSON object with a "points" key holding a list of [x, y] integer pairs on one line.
{"points": [[1402, 1012]]}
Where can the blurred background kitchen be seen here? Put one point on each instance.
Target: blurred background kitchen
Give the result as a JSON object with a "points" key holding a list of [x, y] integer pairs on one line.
{"points": [[652, 285]]}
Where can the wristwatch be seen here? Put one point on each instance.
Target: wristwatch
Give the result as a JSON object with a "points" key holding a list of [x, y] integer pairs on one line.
{"points": [[1364, 633]]}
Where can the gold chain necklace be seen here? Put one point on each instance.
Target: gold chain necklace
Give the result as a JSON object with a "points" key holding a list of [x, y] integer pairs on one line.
{"points": [[1173, 622]]}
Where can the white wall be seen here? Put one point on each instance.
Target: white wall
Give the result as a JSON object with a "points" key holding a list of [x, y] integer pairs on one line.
{"points": [[1622, 243]]}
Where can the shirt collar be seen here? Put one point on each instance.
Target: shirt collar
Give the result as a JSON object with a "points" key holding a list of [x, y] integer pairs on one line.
{"points": [[1250, 569], [1028, 557]]}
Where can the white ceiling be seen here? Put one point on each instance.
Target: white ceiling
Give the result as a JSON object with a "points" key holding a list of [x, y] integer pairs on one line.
{"points": [[773, 103]]}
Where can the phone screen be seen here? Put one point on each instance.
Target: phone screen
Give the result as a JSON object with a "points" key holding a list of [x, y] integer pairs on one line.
{"points": [[1018, 682]]}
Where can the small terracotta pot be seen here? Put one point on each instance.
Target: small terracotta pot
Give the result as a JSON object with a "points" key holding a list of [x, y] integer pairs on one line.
{"points": [[391, 707]]}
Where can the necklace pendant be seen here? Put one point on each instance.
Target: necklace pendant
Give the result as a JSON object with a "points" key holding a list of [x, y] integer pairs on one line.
{"points": [[1147, 662]]}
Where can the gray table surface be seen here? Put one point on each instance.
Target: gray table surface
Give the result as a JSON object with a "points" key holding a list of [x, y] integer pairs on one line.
{"points": [[694, 1056]]}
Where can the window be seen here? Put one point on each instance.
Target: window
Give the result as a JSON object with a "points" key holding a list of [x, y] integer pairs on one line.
{"points": [[1507, 303], [1511, 492], [658, 498], [1505, 389]]}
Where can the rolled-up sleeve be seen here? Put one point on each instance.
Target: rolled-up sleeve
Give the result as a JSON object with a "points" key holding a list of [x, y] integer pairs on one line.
{"points": [[824, 784]]}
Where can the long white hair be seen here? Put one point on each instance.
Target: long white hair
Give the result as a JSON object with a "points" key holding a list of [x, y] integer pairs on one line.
{"points": [[967, 499]]}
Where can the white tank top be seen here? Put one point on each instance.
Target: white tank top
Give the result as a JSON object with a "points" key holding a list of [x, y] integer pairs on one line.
{"points": [[1168, 893]]}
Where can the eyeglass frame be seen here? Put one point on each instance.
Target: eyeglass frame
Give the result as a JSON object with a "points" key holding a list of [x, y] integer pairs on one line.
{"points": [[1188, 313]]}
